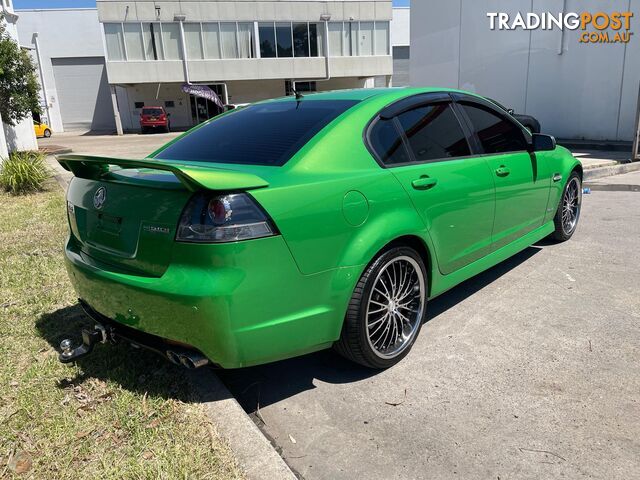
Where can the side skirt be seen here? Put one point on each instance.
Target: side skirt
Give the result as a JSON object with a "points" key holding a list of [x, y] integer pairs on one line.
{"points": [[445, 282]]}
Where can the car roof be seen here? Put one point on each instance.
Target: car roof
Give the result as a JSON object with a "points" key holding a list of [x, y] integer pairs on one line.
{"points": [[361, 94], [151, 106]]}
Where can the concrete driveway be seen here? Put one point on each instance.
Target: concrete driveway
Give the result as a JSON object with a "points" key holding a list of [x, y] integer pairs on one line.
{"points": [[531, 370], [131, 145]]}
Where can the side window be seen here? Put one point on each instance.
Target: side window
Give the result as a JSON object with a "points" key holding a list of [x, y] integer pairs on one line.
{"points": [[387, 142], [496, 134], [434, 133]]}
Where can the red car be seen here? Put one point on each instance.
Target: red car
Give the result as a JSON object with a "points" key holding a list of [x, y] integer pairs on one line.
{"points": [[152, 118]]}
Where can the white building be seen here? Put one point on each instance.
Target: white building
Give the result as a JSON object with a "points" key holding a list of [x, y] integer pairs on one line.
{"points": [[73, 44], [575, 90], [21, 136], [244, 50], [71, 49]]}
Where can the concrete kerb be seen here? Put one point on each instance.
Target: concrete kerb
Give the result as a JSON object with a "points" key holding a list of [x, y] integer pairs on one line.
{"points": [[600, 172], [255, 454]]}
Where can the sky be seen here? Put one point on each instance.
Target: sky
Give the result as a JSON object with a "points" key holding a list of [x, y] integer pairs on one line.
{"points": [[18, 4]]}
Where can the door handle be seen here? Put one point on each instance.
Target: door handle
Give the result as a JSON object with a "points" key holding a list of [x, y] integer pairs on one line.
{"points": [[502, 171], [424, 183], [557, 177]]}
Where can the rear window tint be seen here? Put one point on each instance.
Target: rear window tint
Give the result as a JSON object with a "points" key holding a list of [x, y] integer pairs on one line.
{"points": [[152, 111], [265, 134]]}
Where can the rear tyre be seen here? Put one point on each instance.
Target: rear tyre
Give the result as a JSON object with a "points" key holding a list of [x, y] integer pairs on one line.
{"points": [[568, 213], [386, 310], [47, 133]]}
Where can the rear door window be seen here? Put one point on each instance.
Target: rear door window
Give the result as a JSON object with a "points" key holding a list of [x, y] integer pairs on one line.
{"points": [[434, 133], [386, 141], [263, 134], [496, 133]]}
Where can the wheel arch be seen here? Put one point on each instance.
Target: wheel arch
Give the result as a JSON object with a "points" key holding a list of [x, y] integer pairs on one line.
{"points": [[577, 167], [417, 243], [420, 246]]}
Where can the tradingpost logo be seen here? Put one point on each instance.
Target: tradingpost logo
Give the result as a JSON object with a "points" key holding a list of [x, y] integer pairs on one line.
{"points": [[597, 27]]}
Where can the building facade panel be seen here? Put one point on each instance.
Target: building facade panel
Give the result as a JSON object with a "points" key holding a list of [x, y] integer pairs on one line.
{"points": [[575, 90], [63, 34]]}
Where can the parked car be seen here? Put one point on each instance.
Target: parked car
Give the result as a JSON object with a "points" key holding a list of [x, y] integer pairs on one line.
{"points": [[41, 129], [154, 118], [294, 225], [526, 120]]}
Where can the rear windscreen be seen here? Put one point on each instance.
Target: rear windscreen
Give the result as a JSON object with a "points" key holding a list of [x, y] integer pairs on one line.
{"points": [[264, 134], [152, 111]]}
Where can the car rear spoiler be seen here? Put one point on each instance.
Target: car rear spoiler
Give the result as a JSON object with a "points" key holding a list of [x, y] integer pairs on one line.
{"points": [[193, 177]]}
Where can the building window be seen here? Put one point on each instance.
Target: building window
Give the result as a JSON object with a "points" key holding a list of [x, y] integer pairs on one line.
{"points": [[316, 42], [228, 40], [151, 35], [365, 38], [301, 39], [335, 39], [382, 38], [115, 41], [284, 39], [245, 40], [133, 41], [211, 36], [358, 38], [267, 35], [193, 41], [171, 41]]}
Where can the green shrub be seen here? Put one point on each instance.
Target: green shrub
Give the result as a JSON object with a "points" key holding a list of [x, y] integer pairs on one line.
{"points": [[23, 172]]}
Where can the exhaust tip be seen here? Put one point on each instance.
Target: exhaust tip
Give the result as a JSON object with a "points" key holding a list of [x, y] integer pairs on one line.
{"points": [[187, 362], [193, 361], [173, 357]]}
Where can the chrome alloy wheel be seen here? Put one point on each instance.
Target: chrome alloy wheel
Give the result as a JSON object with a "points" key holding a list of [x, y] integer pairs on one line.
{"points": [[395, 307], [571, 202]]}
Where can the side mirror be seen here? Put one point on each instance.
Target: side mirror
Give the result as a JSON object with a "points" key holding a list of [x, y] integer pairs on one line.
{"points": [[543, 143], [168, 114], [511, 111]]}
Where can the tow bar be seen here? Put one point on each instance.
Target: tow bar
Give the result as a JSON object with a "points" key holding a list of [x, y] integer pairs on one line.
{"points": [[99, 334]]}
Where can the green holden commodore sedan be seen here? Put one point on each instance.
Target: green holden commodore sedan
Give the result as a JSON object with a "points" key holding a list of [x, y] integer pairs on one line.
{"points": [[299, 224]]}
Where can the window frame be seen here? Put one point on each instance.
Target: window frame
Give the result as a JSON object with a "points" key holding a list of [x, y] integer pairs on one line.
{"points": [[391, 112]]}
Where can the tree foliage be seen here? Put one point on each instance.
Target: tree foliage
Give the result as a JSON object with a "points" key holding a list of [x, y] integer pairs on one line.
{"points": [[18, 83]]}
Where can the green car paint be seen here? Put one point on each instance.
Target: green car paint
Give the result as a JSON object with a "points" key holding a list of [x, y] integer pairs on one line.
{"points": [[335, 208]]}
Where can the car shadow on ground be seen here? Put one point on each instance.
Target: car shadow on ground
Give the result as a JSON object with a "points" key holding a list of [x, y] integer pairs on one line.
{"points": [[254, 387], [260, 386], [134, 369]]}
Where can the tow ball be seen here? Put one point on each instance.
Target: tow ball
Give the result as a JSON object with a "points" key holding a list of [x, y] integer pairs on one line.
{"points": [[99, 334]]}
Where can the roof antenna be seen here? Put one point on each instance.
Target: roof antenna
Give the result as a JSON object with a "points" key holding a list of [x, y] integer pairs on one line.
{"points": [[299, 95]]}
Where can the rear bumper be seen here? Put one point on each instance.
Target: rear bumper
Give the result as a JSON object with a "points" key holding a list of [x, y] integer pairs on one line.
{"points": [[239, 304]]}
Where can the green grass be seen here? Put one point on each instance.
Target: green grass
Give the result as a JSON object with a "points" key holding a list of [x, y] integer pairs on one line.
{"points": [[120, 413]]}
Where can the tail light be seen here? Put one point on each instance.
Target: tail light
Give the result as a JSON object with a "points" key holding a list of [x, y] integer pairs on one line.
{"points": [[210, 218]]}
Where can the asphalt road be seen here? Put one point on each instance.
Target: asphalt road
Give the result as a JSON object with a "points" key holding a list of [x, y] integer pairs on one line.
{"points": [[530, 370]]}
